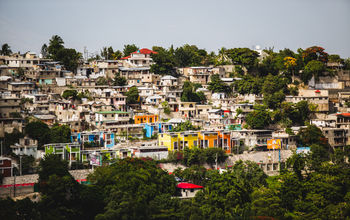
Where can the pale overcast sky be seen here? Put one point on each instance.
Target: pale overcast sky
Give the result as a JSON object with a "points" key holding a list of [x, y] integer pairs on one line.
{"points": [[27, 24]]}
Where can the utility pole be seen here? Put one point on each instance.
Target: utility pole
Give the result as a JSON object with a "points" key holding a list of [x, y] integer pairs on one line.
{"points": [[14, 184], [216, 161], [20, 165], [1, 149]]}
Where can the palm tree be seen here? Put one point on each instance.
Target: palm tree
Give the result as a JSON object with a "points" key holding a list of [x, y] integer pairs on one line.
{"points": [[5, 50], [56, 43], [44, 50], [222, 57]]}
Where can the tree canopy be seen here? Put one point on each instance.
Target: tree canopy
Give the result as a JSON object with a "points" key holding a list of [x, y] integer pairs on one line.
{"points": [[128, 49], [5, 50], [189, 93], [67, 56], [217, 85], [132, 96], [259, 118]]}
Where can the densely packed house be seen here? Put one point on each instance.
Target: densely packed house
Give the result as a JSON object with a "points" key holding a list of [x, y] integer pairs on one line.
{"points": [[109, 120]]}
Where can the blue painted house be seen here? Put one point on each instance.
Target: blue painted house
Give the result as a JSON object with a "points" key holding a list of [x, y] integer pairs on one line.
{"points": [[104, 139], [156, 128]]}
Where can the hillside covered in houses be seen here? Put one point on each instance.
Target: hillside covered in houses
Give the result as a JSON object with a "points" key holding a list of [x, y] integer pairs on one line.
{"points": [[174, 133]]}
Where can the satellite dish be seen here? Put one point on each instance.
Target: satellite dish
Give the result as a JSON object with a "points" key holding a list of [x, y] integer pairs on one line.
{"points": [[257, 47]]}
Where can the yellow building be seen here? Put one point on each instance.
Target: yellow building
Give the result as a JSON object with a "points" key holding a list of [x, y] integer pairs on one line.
{"points": [[180, 140], [169, 140], [188, 139]]}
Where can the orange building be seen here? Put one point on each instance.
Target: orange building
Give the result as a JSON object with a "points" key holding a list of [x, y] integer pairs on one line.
{"points": [[225, 141], [140, 119], [208, 139]]}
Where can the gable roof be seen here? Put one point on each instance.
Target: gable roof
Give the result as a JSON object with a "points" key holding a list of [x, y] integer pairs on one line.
{"points": [[140, 51], [188, 186]]}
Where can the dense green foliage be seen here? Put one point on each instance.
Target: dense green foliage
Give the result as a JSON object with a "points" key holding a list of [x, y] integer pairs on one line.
{"points": [[164, 61], [5, 50], [10, 139], [128, 49], [132, 96], [313, 68], [119, 80], [109, 54], [243, 56], [40, 131], [198, 156], [217, 85], [185, 126], [67, 56], [189, 93], [70, 94], [133, 188], [259, 118], [313, 188], [60, 134]]}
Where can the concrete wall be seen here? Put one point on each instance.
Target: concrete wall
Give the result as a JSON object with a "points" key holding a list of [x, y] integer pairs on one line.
{"points": [[23, 190]]}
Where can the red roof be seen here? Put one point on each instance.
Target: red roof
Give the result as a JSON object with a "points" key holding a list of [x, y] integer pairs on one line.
{"points": [[344, 114], [317, 91], [125, 58], [141, 51], [145, 51], [188, 186]]}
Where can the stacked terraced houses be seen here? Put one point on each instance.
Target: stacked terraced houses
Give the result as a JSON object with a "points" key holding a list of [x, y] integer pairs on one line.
{"points": [[104, 125]]}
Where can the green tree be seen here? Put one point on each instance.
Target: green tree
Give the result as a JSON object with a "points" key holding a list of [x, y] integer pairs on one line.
{"points": [[335, 58], [217, 85], [107, 53], [243, 56], [164, 61], [117, 55], [347, 64], [249, 85], [39, 131], [60, 192], [70, 94], [132, 96], [274, 89], [266, 202], [5, 50], [190, 55], [56, 43], [132, 187], [222, 57], [52, 164], [69, 57], [166, 107], [60, 134], [313, 68], [27, 164], [119, 80], [259, 118], [10, 139], [128, 49], [189, 94], [312, 135], [185, 126], [101, 81]]}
